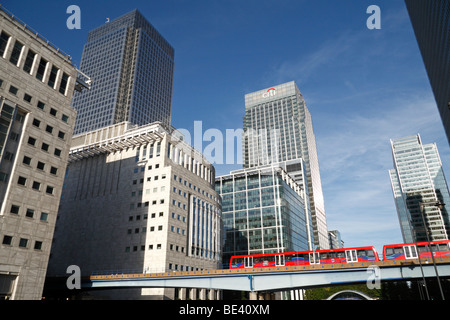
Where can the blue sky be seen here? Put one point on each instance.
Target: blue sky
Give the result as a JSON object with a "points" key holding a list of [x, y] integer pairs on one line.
{"points": [[362, 87]]}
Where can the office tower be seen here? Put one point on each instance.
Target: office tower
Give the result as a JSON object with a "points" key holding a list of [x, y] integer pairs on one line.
{"points": [[278, 127], [418, 184], [36, 124], [335, 239], [132, 68], [264, 211], [431, 23], [140, 199]]}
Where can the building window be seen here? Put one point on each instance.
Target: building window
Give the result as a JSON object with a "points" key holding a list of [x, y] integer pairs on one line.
{"points": [[53, 170], [38, 245], [49, 190], [29, 61], [52, 78], [49, 129], [26, 160], [40, 165], [4, 37], [63, 84], [36, 185], [31, 141], [27, 97], [14, 209], [7, 240], [36, 122], [15, 54], [45, 146], [57, 152], [44, 216], [41, 105], [13, 90], [22, 181], [41, 69], [23, 242], [29, 213]]}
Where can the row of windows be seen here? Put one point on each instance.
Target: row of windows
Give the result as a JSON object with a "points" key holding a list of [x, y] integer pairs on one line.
{"points": [[145, 204], [153, 216], [44, 146], [160, 228], [39, 165], [23, 242], [186, 183], [35, 185], [29, 213], [30, 61], [48, 128]]}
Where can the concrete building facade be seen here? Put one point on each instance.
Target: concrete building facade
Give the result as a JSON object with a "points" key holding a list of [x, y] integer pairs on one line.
{"points": [[138, 199], [37, 81]]}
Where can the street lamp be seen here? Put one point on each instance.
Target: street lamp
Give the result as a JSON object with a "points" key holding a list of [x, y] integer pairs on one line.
{"points": [[421, 268], [439, 205]]}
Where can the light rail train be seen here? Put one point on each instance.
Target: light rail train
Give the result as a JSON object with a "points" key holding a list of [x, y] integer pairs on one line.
{"points": [[345, 255]]}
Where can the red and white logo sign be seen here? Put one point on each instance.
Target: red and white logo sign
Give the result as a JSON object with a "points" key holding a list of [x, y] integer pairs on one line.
{"points": [[269, 93]]}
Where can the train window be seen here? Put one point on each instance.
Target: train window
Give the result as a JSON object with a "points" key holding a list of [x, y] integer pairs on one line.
{"points": [[324, 255], [422, 249], [370, 253], [389, 251]]}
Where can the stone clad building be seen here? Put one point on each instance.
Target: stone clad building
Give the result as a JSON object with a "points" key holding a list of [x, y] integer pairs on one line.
{"points": [[37, 81], [138, 199]]}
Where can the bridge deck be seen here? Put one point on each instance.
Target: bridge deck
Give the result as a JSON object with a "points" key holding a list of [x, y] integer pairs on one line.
{"points": [[277, 278]]}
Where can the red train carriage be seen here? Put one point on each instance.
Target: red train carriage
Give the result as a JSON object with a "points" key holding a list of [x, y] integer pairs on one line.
{"points": [[347, 255], [413, 251]]}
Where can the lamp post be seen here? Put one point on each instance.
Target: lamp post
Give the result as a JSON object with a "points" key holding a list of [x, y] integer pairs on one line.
{"points": [[421, 268], [439, 205]]}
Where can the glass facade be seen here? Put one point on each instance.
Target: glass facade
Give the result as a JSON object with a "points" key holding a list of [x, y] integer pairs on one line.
{"points": [[431, 23], [418, 182], [278, 127], [263, 211], [132, 68]]}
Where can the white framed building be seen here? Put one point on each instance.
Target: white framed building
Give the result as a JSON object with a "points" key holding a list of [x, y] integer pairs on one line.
{"points": [[137, 199]]}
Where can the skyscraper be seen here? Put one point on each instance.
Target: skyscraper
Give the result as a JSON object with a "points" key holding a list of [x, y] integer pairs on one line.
{"points": [[132, 68], [418, 183], [431, 23], [278, 127]]}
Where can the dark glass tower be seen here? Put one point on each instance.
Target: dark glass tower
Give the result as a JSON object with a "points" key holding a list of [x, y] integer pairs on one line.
{"points": [[431, 23], [132, 69]]}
